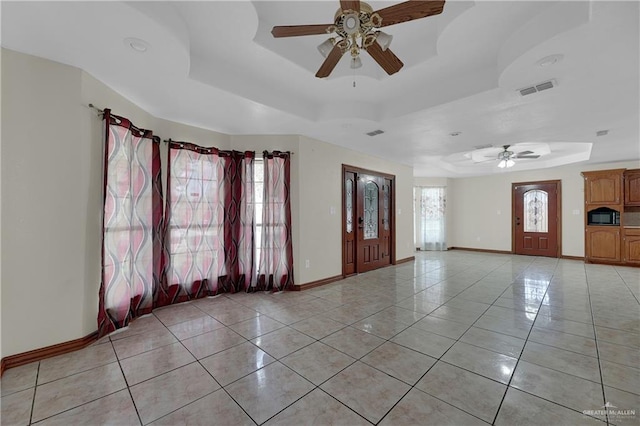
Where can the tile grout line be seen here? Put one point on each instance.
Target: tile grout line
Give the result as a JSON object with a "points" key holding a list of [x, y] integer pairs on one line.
{"points": [[197, 360], [615, 268], [35, 390], [126, 382], [595, 336], [524, 346]]}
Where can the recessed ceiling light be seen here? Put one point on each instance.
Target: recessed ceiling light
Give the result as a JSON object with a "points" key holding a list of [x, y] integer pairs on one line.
{"points": [[137, 44], [455, 133], [550, 60]]}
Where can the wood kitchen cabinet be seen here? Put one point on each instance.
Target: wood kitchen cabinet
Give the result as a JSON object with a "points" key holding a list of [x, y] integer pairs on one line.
{"points": [[631, 243], [615, 192], [632, 188], [603, 186], [603, 244]]}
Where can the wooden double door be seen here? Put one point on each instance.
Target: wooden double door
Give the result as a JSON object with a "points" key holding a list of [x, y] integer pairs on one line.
{"points": [[368, 225]]}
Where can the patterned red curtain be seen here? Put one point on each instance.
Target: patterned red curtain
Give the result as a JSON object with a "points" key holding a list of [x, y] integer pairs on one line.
{"points": [[209, 223], [239, 223], [131, 232], [275, 271]]}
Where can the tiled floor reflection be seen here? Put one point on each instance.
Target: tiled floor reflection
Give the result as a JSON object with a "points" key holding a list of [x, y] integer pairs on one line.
{"points": [[454, 338]]}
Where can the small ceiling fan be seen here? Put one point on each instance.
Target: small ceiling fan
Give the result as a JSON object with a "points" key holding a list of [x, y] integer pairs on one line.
{"points": [[506, 157], [356, 27]]}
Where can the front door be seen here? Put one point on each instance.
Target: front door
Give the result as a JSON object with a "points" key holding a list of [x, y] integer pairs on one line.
{"points": [[536, 218], [367, 220], [371, 250]]}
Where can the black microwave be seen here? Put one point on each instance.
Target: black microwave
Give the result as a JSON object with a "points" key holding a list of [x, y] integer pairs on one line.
{"points": [[603, 216]]}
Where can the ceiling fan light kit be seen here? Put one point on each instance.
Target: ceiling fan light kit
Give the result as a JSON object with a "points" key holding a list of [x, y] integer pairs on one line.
{"points": [[383, 39], [506, 163], [325, 47], [356, 28]]}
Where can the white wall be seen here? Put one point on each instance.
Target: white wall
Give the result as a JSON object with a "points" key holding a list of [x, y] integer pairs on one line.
{"points": [[476, 202]]}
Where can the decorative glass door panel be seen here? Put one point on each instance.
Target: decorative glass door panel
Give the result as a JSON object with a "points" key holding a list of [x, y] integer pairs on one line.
{"points": [[348, 202], [385, 207], [536, 211], [536, 218], [370, 210]]}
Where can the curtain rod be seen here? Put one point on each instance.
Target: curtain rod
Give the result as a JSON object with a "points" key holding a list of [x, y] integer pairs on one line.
{"points": [[101, 111], [171, 140]]}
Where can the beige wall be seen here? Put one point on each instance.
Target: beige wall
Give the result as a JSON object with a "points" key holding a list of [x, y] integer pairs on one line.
{"points": [[45, 209], [481, 207]]}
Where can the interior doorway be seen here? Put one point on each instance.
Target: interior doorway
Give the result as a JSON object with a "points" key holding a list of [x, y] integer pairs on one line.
{"points": [[536, 218], [368, 220]]}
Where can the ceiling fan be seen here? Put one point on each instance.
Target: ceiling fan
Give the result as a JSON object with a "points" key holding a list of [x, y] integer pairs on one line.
{"points": [[356, 27], [506, 157]]}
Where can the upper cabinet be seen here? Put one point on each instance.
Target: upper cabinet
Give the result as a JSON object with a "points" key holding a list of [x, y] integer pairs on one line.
{"points": [[632, 187], [603, 186]]}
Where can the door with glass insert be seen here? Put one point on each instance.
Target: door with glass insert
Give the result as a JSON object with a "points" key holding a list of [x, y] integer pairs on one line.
{"points": [[370, 236], [367, 220], [536, 218]]}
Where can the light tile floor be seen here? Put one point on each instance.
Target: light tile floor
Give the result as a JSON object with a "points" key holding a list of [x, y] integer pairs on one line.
{"points": [[456, 338]]}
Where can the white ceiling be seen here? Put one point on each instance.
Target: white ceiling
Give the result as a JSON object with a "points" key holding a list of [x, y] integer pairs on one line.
{"points": [[215, 65]]}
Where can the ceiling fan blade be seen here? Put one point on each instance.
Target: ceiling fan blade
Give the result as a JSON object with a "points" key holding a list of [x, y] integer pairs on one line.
{"points": [[526, 156], [299, 30], [410, 10], [330, 63], [524, 153], [350, 5], [385, 58]]}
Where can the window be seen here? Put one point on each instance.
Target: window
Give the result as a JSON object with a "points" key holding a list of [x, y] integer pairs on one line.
{"points": [[258, 185], [196, 219], [429, 216]]}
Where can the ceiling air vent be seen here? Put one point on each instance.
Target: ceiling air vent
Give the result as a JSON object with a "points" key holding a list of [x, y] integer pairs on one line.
{"points": [[483, 146], [375, 132], [537, 88]]}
